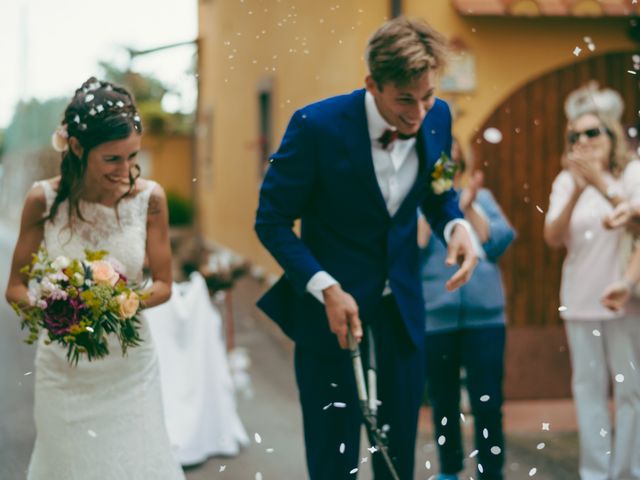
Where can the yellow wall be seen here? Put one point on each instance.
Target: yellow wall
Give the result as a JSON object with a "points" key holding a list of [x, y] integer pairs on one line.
{"points": [[312, 50], [510, 51], [171, 158]]}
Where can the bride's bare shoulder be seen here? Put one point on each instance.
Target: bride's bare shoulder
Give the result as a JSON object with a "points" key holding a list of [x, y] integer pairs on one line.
{"points": [[35, 203]]}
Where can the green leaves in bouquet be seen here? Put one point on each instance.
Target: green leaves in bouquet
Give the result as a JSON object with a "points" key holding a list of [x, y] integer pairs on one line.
{"points": [[93, 341]]}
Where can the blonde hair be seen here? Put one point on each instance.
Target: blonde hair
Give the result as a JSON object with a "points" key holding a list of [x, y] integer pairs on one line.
{"points": [[403, 49]]}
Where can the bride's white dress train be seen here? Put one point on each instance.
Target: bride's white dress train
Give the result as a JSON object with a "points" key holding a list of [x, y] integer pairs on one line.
{"points": [[197, 388], [101, 420]]}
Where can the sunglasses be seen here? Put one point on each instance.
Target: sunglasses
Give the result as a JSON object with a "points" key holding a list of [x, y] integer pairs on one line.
{"points": [[573, 136]]}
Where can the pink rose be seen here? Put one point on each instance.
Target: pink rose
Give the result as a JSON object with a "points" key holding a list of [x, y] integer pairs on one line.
{"points": [[104, 273], [128, 304]]}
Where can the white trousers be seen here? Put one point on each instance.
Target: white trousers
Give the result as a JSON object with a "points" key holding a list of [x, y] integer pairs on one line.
{"points": [[604, 352]]}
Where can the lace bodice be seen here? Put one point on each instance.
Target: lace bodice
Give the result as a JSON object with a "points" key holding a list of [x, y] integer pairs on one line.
{"points": [[124, 236]]}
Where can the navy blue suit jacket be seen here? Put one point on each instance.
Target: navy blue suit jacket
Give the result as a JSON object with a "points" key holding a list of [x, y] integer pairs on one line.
{"points": [[323, 174]]}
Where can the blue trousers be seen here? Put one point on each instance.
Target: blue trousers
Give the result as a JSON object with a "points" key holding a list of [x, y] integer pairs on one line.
{"points": [[481, 352], [330, 407]]}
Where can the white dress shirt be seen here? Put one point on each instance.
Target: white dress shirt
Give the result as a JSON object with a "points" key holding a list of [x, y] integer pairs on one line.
{"points": [[396, 169]]}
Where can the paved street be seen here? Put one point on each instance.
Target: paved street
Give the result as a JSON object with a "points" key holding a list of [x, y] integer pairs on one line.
{"points": [[271, 411]]}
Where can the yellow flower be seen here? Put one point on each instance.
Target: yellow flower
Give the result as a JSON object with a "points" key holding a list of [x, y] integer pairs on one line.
{"points": [[75, 329]]}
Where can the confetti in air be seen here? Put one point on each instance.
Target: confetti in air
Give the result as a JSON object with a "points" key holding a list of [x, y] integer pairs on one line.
{"points": [[596, 333], [464, 420], [354, 470], [28, 373], [485, 433], [496, 450], [327, 406], [222, 468], [484, 398], [443, 421], [342, 448], [258, 438], [92, 433], [372, 449], [562, 308], [492, 135], [258, 476], [339, 404], [269, 450], [539, 209], [532, 472], [540, 446], [619, 378], [545, 426], [427, 465], [441, 440], [576, 51], [603, 432], [473, 454]]}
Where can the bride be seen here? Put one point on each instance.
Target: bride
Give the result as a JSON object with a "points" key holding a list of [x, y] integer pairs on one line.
{"points": [[101, 419]]}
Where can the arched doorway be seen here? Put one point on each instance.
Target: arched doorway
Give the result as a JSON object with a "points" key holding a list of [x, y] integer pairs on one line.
{"points": [[519, 171]]}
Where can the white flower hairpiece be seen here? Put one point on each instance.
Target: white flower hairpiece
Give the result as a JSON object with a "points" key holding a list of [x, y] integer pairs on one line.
{"points": [[591, 99], [60, 139]]}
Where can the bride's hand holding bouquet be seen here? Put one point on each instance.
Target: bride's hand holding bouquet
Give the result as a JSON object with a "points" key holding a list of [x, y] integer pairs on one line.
{"points": [[79, 302]]}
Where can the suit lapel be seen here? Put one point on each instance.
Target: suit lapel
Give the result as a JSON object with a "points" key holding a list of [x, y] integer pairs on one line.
{"points": [[358, 144]]}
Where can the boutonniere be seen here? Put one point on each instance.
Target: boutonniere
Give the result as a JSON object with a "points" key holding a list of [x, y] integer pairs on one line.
{"points": [[442, 176]]}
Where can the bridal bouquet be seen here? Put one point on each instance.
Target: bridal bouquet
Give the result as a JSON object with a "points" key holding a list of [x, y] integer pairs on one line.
{"points": [[78, 302]]}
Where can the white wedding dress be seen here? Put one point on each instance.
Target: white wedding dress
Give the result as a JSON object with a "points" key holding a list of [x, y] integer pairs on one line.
{"points": [[101, 420], [197, 388]]}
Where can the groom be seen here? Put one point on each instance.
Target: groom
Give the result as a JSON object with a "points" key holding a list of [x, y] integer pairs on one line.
{"points": [[354, 168]]}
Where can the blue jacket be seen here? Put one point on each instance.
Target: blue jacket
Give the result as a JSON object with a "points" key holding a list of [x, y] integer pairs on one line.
{"points": [[323, 174], [480, 302]]}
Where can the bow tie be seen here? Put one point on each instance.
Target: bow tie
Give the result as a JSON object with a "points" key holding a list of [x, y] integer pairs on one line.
{"points": [[389, 136]]}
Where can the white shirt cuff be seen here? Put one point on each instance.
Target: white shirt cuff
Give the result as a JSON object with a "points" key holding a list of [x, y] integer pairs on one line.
{"points": [[477, 246], [318, 283]]}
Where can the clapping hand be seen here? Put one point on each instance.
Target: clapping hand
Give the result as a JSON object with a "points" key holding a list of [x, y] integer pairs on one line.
{"points": [[585, 168], [616, 295], [460, 250], [468, 195], [620, 216]]}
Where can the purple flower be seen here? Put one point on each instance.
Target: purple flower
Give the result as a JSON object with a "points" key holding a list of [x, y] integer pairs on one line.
{"points": [[61, 314]]}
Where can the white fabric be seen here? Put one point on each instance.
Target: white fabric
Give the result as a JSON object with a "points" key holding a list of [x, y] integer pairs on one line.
{"points": [[101, 420], [596, 361], [197, 388], [475, 241], [592, 261], [318, 282], [396, 166]]}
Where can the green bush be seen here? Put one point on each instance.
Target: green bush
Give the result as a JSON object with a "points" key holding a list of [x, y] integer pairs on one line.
{"points": [[180, 209]]}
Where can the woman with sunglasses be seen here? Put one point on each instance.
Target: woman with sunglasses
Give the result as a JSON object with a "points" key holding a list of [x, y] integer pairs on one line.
{"points": [[597, 177]]}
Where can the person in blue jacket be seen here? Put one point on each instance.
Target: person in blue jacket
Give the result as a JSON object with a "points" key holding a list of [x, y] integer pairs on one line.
{"points": [[354, 168], [466, 329]]}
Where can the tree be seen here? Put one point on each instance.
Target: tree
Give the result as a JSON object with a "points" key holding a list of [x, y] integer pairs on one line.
{"points": [[148, 92]]}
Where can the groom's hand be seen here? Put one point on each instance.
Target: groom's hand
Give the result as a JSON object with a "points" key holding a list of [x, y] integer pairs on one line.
{"points": [[342, 312], [460, 250]]}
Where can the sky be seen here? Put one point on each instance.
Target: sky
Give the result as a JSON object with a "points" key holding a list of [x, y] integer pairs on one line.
{"points": [[49, 47]]}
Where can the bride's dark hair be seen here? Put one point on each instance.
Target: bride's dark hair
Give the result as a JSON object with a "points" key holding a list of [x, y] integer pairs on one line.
{"points": [[99, 112]]}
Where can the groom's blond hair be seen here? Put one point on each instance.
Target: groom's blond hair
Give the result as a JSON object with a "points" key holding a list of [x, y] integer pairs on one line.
{"points": [[403, 49]]}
